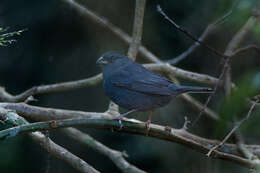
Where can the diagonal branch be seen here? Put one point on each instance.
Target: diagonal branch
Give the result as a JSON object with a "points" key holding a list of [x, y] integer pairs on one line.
{"points": [[115, 156], [233, 130], [62, 153], [186, 32], [9, 118], [102, 21], [210, 28]]}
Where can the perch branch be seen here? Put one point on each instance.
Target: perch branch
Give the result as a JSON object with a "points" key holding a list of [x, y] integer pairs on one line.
{"points": [[226, 152]]}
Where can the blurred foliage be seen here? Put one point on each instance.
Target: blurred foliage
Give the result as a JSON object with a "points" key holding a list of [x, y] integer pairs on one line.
{"points": [[235, 107], [4, 38]]}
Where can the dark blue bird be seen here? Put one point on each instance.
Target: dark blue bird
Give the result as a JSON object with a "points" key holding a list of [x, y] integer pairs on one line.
{"points": [[135, 88]]}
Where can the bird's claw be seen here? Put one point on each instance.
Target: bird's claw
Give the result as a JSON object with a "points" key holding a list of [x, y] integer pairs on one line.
{"points": [[120, 124], [119, 118], [147, 125]]}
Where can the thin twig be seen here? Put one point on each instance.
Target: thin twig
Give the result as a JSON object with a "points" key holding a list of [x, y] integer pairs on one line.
{"points": [[220, 78], [195, 104], [210, 28], [159, 9], [233, 130], [226, 70], [246, 48], [92, 81]]}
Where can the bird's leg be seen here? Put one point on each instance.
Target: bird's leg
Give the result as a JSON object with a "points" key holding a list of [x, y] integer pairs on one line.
{"points": [[148, 122], [121, 116]]}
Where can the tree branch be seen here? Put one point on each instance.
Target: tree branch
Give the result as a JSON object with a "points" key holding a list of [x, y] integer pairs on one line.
{"points": [[227, 152], [102, 21], [233, 130], [92, 81], [210, 28], [177, 72], [42, 114], [52, 88], [246, 48], [231, 48], [115, 156], [11, 119], [137, 29], [62, 153], [186, 32]]}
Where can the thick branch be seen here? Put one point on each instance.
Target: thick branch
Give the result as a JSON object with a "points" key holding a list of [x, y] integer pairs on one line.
{"points": [[62, 153], [227, 152], [115, 156]]}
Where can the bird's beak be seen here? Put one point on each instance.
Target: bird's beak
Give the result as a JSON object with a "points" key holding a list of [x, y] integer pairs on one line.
{"points": [[101, 61]]}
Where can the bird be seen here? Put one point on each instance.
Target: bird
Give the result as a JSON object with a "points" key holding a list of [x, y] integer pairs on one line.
{"points": [[135, 88]]}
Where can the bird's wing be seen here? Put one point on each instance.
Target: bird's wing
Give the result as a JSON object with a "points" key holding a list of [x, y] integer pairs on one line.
{"points": [[138, 78]]}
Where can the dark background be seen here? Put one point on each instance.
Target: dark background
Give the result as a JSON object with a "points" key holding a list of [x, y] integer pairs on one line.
{"points": [[61, 45]]}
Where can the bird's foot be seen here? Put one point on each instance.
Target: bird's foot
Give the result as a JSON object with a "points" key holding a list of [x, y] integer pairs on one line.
{"points": [[147, 125], [119, 118]]}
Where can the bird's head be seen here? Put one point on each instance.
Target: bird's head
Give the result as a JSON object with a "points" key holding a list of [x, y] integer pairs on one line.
{"points": [[112, 58]]}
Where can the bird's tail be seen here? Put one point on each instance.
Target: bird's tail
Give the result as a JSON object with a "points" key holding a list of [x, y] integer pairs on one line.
{"points": [[177, 90]]}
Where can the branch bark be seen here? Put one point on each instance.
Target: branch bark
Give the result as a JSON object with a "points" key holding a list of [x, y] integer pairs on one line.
{"points": [[137, 29], [42, 114], [199, 144], [62, 153], [115, 156]]}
